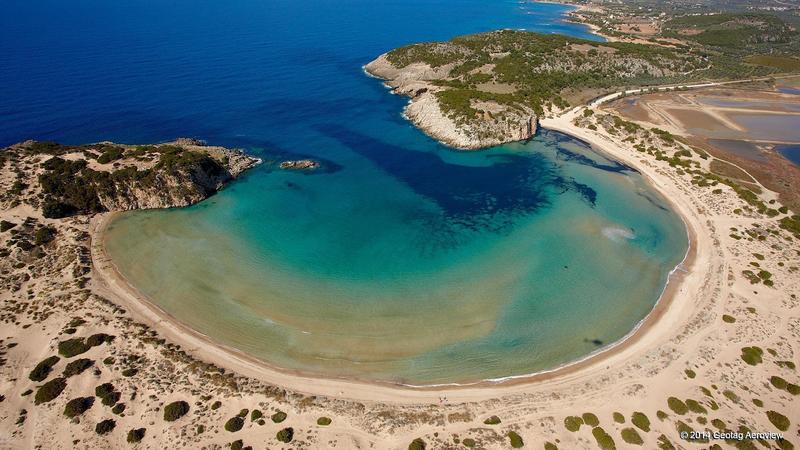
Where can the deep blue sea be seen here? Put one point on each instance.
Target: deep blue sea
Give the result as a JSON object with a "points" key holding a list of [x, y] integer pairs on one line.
{"points": [[401, 260]]}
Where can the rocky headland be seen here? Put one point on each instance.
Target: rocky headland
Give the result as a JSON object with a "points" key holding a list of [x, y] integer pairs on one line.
{"points": [[64, 180], [496, 123], [487, 89]]}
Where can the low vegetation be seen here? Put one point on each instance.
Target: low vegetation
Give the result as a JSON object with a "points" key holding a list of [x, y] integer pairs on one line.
{"points": [[50, 390], [43, 369], [175, 410]]}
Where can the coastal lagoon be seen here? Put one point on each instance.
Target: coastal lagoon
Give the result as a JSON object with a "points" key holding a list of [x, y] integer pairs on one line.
{"points": [[399, 260]]}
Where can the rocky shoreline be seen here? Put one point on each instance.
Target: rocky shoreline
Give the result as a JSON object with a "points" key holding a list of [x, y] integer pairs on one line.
{"points": [[496, 124], [63, 180]]}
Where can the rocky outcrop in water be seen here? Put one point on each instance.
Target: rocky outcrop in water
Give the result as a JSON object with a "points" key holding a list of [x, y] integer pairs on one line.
{"points": [[300, 164]]}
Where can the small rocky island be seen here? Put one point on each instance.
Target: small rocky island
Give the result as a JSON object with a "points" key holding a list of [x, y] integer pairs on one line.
{"points": [[65, 180], [487, 89], [300, 164]]}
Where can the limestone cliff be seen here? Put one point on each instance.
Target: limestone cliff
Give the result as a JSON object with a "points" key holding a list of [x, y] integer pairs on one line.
{"points": [[63, 180], [492, 124]]}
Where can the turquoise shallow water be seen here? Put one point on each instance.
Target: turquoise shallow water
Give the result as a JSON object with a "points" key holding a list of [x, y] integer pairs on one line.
{"points": [[401, 260], [412, 266]]}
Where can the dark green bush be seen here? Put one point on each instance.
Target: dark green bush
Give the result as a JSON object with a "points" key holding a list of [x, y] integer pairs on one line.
{"points": [[136, 435], [515, 439], [98, 339], [175, 410], [631, 436], [573, 423], [494, 420], [641, 421], [129, 372], [50, 390], [285, 435], [604, 440], [44, 235], [279, 417], [324, 421], [104, 390], [77, 366], [118, 409], [234, 424], [417, 444], [72, 347], [677, 406], [105, 427], [255, 415], [43, 369], [780, 421], [78, 406], [590, 419], [110, 154], [237, 444]]}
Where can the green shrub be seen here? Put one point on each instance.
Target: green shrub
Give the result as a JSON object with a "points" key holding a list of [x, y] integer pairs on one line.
{"points": [[728, 319], [780, 421], [469, 442], [677, 406], [550, 446], [590, 419], [778, 382], [98, 339], [105, 427], [237, 444], [175, 410], [78, 406], [494, 420], [752, 355], [641, 421], [604, 440], [417, 444], [104, 390], [43, 369], [110, 154], [573, 423], [279, 417], [44, 235], [129, 372], [515, 439], [50, 390], [216, 405], [695, 407], [690, 373], [72, 347], [664, 443], [324, 421], [630, 436], [234, 424], [619, 418], [255, 415], [77, 367], [107, 394], [118, 409], [285, 435], [136, 435]]}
